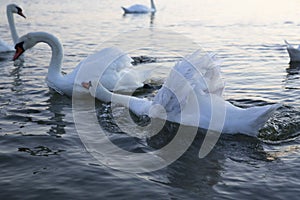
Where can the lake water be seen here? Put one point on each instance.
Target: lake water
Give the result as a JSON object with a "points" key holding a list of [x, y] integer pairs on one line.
{"points": [[42, 155]]}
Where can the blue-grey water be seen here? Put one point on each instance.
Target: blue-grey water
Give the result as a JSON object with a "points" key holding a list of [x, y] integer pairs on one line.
{"points": [[42, 156]]}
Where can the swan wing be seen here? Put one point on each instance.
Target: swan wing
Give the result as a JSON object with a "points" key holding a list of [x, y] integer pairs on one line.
{"points": [[128, 80], [193, 79], [202, 70], [112, 59], [199, 72], [137, 8], [4, 47], [112, 67], [195, 85]]}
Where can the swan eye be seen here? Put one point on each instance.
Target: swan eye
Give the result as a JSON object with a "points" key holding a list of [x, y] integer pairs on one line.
{"points": [[19, 50], [19, 45], [20, 11]]}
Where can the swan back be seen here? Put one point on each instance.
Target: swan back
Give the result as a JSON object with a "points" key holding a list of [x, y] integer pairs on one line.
{"points": [[110, 59], [113, 68], [138, 8], [4, 47]]}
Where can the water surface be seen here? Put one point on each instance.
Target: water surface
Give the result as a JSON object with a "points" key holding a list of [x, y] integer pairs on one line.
{"points": [[42, 155]]}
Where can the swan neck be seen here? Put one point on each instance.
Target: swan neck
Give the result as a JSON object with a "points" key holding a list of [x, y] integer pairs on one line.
{"points": [[57, 53], [136, 105], [12, 26], [108, 96], [153, 5]]}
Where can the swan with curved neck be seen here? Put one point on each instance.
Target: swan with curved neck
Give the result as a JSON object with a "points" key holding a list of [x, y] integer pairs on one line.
{"points": [[140, 9], [111, 63], [10, 10], [193, 90]]}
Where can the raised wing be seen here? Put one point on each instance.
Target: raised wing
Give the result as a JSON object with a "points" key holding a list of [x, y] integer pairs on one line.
{"points": [[198, 72]]}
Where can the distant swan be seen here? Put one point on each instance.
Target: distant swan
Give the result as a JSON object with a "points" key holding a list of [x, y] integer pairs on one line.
{"points": [[10, 10], [115, 65], [196, 75], [139, 9], [294, 52]]}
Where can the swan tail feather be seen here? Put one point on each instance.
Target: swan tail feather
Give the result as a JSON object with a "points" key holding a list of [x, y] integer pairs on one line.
{"points": [[290, 46], [125, 9], [263, 116], [286, 42]]}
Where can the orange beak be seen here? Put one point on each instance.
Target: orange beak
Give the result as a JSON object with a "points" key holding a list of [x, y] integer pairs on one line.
{"points": [[86, 85], [18, 53]]}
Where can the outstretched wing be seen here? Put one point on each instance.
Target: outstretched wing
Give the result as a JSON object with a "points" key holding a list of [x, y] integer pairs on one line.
{"points": [[198, 73], [202, 70], [191, 78]]}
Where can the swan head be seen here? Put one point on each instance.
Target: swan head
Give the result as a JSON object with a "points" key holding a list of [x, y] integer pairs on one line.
{"points": [[25, 42], [13, 8]]}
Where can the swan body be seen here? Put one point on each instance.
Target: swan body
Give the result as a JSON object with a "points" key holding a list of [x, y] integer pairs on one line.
{"points": [[294, 52], [140, 9], [110, 65], [4, 47], [10, 10], [193, 89]]}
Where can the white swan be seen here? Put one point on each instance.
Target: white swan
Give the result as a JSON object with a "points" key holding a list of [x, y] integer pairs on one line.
{"points": [[294, 52], [196, 84], [139, 9], [115, 65], [10, 10]]}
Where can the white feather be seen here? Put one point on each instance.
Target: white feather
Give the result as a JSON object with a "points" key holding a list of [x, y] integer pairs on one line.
{"points": [[192, 95], [140, 9], [294, 52]]}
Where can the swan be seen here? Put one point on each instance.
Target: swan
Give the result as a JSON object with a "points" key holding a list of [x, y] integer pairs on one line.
{"points": [[10, 10], [294, 52], [140, 9], [115, 65], [197, 85]]}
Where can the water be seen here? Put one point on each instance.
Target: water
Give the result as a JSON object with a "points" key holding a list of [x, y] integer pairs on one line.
{"points": [[42, 155]]}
